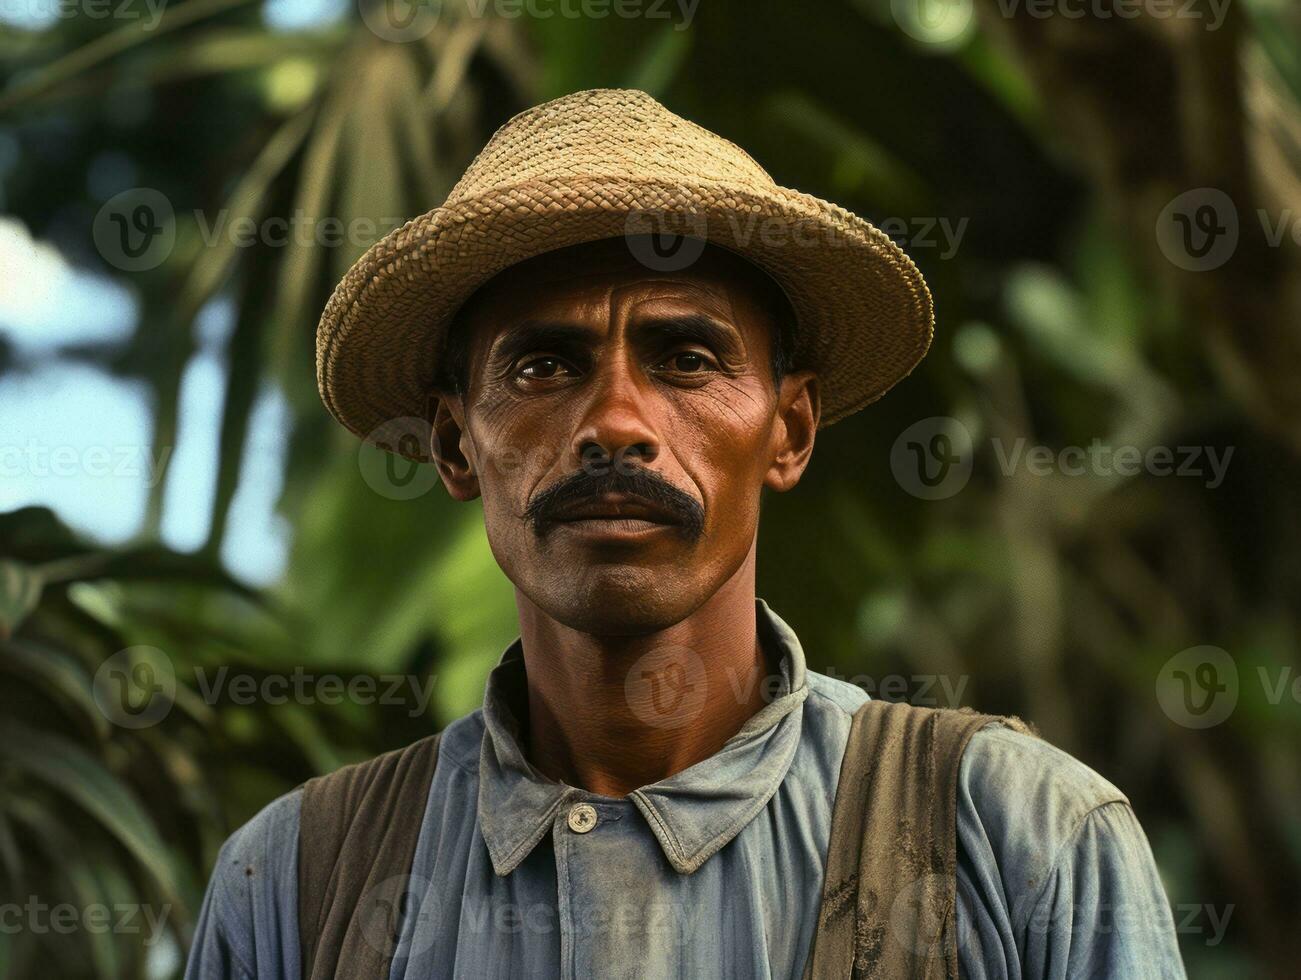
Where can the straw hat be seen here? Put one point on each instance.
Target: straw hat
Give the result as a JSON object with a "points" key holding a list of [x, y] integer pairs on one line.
{"points": [[600, 164]]}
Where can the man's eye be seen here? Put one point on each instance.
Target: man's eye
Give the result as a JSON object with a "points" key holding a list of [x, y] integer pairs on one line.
{"points": [[688, 362], [544, 368]]}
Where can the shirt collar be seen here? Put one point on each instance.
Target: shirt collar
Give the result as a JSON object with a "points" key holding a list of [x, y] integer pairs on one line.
{"points": [[692, 814]]}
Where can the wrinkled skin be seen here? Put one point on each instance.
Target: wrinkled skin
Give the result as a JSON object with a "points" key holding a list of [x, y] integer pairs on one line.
{"points": [[618, 384]]}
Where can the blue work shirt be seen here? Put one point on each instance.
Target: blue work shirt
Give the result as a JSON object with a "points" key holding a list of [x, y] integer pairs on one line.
{"points": [[717, 870]]}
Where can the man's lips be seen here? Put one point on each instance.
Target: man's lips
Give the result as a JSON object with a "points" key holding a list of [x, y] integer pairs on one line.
{"points": [[614, 507]]}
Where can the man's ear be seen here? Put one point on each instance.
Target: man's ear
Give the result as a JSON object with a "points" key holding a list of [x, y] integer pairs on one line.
{"points": [[798, 409], [448, 443]]}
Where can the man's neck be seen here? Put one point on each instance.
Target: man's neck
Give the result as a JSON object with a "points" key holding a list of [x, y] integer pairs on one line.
{"points": [[610, 714]]}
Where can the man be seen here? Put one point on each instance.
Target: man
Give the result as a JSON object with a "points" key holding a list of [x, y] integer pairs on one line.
{"points": [[657, 783]]}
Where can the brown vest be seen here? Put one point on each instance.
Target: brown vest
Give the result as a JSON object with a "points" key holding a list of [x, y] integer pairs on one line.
{"points": [[888, 895]]}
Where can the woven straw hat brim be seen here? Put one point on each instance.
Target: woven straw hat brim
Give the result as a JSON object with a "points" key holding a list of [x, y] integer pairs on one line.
{"points": [[864, 314]]}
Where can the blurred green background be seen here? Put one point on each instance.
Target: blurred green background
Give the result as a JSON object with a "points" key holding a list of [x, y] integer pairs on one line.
{"points": [[1049, 147]]}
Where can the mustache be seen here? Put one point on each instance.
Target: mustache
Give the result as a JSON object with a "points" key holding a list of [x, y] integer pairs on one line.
{"points": [[639, 482]]}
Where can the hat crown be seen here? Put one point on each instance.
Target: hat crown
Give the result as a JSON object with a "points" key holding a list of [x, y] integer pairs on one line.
{"points": [[608, 133], [581, 169]]}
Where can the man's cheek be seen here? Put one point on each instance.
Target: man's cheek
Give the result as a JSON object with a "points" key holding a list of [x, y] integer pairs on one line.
{"points": [[499, 524], [507, 462]]}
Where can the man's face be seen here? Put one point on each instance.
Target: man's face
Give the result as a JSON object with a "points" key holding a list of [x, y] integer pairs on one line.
{"points": [[619, 424]]}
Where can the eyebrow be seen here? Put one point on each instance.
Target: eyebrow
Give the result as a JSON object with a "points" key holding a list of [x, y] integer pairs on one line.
{"points": [[566, 337], [693, 326], [531, 335]]}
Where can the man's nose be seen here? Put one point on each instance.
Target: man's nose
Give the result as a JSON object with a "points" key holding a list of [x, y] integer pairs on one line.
{"points": [[618, 419]]}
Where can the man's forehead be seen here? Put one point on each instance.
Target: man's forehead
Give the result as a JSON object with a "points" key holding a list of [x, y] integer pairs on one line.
{"points": [[712, 277], [590, 282]]}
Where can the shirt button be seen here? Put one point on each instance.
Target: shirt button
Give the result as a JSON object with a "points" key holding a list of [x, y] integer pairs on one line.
{"points": [[582, 818]]}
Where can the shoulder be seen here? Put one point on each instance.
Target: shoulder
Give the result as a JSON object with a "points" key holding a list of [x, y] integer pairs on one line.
{"points": [[829, 710], [261, 846], [248, 925], [457, 748], [830, 695], [266, 847], [1054, 869], [461, 742], [267, 844], [1022, 804], [1015, 782], [824, 732]]}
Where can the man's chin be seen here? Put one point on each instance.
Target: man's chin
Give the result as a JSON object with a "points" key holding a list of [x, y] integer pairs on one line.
{"points": [[615, 600]]}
